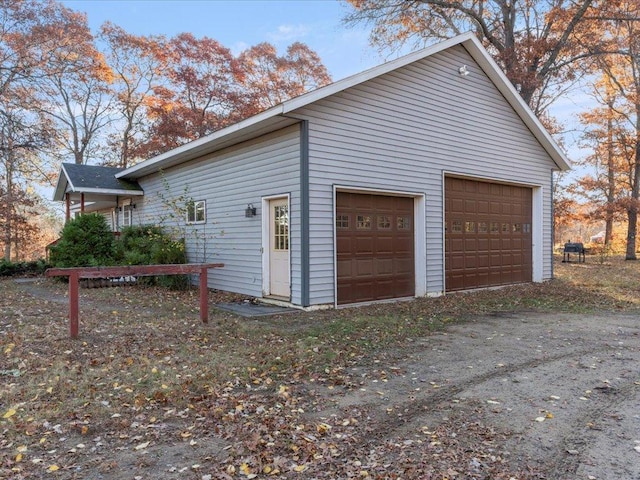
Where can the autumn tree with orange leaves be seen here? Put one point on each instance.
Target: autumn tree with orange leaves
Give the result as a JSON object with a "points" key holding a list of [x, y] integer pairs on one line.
{"points": [[137, 66], [207, 88], [615, 124], [538, 44], [32, 34], [117, 98]]}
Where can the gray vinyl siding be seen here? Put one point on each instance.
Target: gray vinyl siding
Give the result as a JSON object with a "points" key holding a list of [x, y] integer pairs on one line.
{"points": [[401, 131], [229, 180]]}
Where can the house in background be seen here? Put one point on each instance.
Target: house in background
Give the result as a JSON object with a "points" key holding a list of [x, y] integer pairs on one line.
{"points": [[424, 175], [95, 189]]}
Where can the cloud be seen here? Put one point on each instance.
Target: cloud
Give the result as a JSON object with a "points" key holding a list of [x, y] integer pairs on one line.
{"points": [[286, 33], [238, 47]]}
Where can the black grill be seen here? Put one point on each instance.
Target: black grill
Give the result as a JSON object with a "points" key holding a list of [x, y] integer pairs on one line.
{"points": [[576, 249]]}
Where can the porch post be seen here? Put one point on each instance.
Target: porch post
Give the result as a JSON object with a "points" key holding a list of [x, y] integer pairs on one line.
{"points": [[67, 214], [82, 203]]}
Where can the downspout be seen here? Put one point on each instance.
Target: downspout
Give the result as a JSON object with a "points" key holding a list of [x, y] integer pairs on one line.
{"points": [[304, 215], [553, 223]]}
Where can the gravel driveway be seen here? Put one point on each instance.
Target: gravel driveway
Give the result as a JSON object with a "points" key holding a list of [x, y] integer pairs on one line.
{"points": [[563, 388]]}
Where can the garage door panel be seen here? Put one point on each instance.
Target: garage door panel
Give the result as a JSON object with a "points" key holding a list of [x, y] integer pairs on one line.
{"points": [[380, 246], [489, 243], [384, 266], [384, 245], [364, 245], [363, 267], [457, 244], [344, 268]]}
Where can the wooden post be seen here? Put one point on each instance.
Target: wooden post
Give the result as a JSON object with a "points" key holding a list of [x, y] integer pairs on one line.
{"points": [[75, 274], [82, 203], [67, 201], [204, 296], [74, 305]]}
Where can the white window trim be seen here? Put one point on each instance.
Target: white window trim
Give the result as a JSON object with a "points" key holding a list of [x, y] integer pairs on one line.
{"points": [[127, 211], [195, 210]]}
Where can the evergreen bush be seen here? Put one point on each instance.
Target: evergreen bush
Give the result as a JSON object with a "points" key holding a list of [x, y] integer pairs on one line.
{"points": [[10, 269], [86, 241]]}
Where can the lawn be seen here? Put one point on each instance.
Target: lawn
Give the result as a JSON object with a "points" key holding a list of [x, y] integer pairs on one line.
{"points": [[150, 390]]}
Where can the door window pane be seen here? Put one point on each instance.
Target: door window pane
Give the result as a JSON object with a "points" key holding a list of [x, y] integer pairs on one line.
{"points": [[281, 227]]}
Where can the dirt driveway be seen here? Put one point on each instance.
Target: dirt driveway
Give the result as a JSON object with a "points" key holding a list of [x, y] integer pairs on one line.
{"points": [[558, 395], [524, 395]]}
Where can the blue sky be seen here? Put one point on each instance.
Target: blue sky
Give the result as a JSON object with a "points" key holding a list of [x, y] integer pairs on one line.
{"points": [[242, 23]]}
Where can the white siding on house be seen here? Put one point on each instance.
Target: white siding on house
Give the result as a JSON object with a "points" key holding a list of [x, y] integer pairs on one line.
{"points": [[401, 131], [229, 180]]}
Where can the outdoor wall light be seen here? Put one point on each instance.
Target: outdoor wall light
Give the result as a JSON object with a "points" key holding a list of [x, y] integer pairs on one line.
{"points": [[463, 71], [250, 211]]}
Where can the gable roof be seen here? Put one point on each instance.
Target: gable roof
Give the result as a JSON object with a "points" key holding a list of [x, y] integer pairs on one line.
{"points": [[275, 117], [93, 179]]}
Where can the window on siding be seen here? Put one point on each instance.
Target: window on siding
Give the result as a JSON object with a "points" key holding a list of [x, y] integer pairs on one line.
{"points": [[197, 211]]}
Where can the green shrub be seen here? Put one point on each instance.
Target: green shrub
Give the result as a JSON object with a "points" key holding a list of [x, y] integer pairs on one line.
{"points": [[86, 241], [34, 267], [149, 245]]}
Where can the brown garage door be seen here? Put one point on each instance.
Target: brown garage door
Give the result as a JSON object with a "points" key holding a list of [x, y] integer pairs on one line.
{"points": [[375, 251], [488, 234]]}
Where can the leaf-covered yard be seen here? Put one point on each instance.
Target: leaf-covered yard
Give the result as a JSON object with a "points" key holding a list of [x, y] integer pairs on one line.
{"points": [[149, 390]]}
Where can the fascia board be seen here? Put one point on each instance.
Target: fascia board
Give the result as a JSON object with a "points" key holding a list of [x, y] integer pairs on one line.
{"points": [[188, 150], [62, 185]]}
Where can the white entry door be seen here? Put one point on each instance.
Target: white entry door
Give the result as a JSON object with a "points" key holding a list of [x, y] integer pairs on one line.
{"points": [[279, 283]]}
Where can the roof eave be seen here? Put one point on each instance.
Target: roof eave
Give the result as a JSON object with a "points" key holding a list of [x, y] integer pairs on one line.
{"points": [[199, 147], [61, 185], [109, 191]]}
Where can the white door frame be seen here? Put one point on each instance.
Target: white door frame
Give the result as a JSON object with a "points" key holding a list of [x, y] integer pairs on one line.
{"points": [[419, 235], [266, 239]]}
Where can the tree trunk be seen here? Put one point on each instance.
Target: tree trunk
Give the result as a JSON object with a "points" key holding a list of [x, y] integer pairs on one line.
{"points": [[608, 232], [8, 213], [632, 217], [632, 211]]}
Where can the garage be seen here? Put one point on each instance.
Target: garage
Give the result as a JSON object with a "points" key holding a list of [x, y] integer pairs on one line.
{"points": [[487, 234], [374, 247]]}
